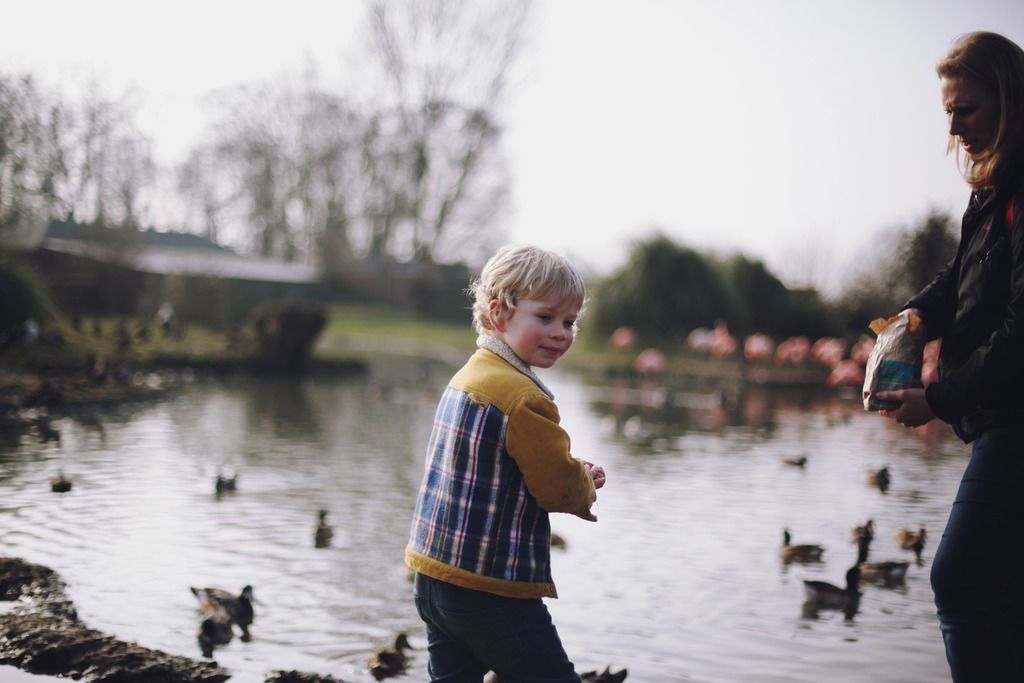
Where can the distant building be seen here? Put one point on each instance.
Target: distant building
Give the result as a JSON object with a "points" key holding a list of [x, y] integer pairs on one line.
{"points": [[93, 269]]}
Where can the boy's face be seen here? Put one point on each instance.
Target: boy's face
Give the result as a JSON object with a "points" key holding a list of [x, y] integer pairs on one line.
{"points": [[540, 331]]}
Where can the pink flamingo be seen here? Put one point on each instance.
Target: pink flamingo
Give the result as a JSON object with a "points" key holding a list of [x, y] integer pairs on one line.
{"points": [[649, 362], [623, 338]]}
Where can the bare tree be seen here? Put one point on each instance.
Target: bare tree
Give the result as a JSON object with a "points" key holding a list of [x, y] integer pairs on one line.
{"points": [[35, 128], [200, 185], [290, 157], [327, 173], [20, 131], [810, 265], [444, 64], [385, 204], [415, 173], [132, 173], [51, 152], [77, 160], [250, 150], [100, 166], [108, 161]]}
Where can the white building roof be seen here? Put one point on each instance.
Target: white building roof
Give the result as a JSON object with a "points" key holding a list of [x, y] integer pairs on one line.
{"points": [[167, 260]]}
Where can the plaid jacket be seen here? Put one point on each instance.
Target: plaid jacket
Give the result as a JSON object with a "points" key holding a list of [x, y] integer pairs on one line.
{"points": [[497, 464]]}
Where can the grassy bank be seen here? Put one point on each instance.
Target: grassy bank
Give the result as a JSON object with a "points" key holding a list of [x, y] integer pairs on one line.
{"points": [[353, 333], [351, 330], [362, 331], [63, 347], [367, 331]]}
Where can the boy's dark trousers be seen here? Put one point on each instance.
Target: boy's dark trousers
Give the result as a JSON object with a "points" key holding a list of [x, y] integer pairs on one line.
{"points": [[471, 632]]}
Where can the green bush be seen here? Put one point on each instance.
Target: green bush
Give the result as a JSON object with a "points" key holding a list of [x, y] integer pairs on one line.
{"points": [[663, 292]]}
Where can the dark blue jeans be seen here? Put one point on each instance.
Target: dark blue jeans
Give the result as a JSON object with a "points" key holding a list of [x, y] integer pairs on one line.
{"points": [[978, 572], [471, 632]]}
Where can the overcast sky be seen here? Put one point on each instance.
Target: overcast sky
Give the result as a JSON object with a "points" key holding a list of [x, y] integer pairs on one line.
{"points": [[797, 131]]}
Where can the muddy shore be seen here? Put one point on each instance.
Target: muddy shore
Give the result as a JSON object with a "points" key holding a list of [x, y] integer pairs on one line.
{"points": [[40, 633]]}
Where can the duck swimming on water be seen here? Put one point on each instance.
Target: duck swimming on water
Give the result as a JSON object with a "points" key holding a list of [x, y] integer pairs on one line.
{"points": [[880, 478], [803, 552], [824, 595], [238, 607], [59, 483], [322, 533], [606, 676], [214, 624], [389, 661], [911, 540], [888, 573], [225, 484], [865, 532]]}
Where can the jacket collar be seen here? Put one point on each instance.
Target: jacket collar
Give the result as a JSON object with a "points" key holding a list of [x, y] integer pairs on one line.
{"points": [[500, 348]]}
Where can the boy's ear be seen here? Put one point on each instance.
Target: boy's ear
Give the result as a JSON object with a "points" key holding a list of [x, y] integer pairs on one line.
{"points": [[496, 314]]}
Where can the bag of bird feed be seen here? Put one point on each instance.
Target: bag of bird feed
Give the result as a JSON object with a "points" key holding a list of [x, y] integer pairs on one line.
{"points": [[895, 362]]}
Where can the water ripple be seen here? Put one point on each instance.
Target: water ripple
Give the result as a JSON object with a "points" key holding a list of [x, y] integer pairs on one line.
{"points": [[680, 580]]}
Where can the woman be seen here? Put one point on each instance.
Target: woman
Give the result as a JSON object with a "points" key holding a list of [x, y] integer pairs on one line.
{"points": [[976, 305]]}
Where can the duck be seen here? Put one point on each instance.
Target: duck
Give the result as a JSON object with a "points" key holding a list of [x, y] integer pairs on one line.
{"points": [[557, 541], [880, 478], [864, 532], [225, 484], [59, 483], [214, 625], [282, 676], [911, 540], [805, 552], [322, 533], [606, 676], [389, 661], [238, 607], [824, 595], [888, 572], [796, 462]]}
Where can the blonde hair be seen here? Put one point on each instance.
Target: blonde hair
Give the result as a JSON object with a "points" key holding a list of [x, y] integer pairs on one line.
{"points": [[516, 273], [996, 63]]}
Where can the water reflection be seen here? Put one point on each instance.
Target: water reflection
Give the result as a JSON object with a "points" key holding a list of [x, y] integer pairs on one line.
{"points": [[681, 579], [642, 411]]}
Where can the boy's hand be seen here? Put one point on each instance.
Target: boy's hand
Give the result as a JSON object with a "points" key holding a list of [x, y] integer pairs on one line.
{"points": [[596, 473]]}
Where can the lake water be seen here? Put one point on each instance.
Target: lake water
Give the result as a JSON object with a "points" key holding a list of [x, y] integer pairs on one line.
{"points": [[680, 580]]}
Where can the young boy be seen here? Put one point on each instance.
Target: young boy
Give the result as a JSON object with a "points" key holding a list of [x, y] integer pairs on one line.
{"points": [[497, 464]]}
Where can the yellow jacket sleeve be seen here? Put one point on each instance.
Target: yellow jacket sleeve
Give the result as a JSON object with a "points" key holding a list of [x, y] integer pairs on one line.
{"points": [[540, 448]]}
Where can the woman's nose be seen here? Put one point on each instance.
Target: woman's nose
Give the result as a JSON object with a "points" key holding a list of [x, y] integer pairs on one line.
{"points": [[956, 126]]}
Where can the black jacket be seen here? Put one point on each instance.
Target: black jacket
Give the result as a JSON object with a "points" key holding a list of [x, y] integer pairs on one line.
{"points": [[976, 305]]}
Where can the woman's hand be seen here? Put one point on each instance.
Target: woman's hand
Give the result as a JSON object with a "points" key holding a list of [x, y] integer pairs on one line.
{"points": [[913, 411]]}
